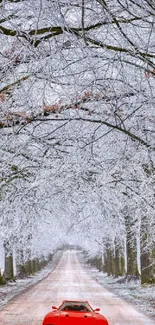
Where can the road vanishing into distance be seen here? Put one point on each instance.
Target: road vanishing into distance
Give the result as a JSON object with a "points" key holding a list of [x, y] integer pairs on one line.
{"points": [[68, 281]]}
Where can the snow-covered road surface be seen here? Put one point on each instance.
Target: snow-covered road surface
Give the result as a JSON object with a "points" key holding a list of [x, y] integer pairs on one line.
{"points": [[68, 281]]}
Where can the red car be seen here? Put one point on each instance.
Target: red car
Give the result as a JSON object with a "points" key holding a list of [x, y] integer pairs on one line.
{"points": [[74, 313]]}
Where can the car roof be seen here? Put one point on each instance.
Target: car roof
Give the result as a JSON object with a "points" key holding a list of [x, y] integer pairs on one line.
{"points": [[75, 300]]}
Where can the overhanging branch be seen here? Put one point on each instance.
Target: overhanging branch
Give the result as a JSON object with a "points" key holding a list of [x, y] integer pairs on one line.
{"points": [[132, 136]]}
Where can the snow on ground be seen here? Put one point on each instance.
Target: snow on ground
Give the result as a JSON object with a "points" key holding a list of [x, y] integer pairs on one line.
{"points": [[13, 288], [141, 296]]}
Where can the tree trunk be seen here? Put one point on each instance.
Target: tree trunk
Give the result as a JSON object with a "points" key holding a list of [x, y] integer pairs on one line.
{"points": [[146, 256], [131, 259], [8, 265], [34, 266], [2, 281], [8, 270], [147, 275], [118, 269], [109, 260], [28, 266], [131, 249]]}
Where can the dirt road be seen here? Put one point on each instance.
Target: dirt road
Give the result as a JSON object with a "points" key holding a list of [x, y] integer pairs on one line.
{"points": [[68, 281]]}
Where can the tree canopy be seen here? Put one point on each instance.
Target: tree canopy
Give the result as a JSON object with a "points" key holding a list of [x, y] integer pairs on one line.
{"points": [[77, 123]]}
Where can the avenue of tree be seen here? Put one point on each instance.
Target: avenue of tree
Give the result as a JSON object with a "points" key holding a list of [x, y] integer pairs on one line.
{"points": [[77, 131]]}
